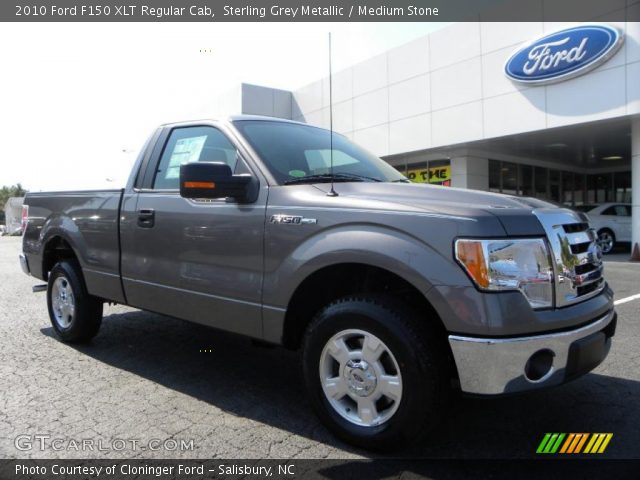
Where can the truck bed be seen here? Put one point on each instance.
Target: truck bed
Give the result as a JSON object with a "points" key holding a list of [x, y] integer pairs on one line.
{"points": [[89, 220]]}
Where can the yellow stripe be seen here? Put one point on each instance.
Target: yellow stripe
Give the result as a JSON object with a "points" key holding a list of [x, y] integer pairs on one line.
{"points": [[575, 442], [567, 442], [591, 442], [584, 439], [606, 442], [596, 445]]}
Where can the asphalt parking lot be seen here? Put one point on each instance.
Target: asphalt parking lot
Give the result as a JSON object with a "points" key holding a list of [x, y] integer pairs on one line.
{"points": [[146, 377]]}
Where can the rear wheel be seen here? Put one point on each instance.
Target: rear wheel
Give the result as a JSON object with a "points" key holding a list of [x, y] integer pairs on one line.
{"points": [[375, 372], [75, 315], [606, 240]]}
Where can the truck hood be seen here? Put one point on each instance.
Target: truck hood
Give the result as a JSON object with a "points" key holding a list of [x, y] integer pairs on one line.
{"points": [[514, 213]]}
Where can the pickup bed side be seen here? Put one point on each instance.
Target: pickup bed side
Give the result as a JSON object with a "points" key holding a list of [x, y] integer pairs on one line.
{"points": [[82, 224]]}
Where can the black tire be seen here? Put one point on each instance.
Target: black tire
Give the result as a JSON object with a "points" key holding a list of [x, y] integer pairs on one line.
{"points": [[420, 351], [609, 244], [85, 322]]}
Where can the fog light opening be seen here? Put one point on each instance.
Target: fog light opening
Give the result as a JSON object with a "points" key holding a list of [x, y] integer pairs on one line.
{"points": [[539, 366]]}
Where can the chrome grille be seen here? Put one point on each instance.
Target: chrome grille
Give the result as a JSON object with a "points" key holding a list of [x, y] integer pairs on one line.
{"points": [[577, 260]]}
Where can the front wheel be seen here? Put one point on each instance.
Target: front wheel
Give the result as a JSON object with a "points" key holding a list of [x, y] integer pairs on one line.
{"points": [[376, 373], [75, 315]]}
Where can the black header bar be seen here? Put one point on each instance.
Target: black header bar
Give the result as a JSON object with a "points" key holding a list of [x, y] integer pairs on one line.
{"points": [[318, 10]]}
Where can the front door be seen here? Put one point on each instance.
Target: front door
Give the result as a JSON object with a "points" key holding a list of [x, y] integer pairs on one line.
{"points": [[200, 260]]}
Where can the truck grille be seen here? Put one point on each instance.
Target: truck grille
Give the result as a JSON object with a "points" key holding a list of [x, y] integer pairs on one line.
{"points": [[577, 260]]}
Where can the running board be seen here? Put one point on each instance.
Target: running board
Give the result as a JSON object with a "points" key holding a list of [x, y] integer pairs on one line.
{"points": [[39, 288]]}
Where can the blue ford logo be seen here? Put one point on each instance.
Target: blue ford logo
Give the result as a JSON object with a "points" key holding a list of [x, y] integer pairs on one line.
{"points": [[563, 54]]}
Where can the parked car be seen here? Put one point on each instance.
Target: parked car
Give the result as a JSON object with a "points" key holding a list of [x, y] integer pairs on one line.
{"points": [[395, 293], [612, 222]]}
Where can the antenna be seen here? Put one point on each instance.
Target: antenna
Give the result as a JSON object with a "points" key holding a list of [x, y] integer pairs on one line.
{"points": [[332, 192]]}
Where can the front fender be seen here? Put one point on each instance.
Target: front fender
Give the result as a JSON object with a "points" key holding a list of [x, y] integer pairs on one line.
{"points": [[406, 256]]}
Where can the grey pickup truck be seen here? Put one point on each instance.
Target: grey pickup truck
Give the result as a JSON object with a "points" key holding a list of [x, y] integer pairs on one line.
{"points": [[396, 294]]}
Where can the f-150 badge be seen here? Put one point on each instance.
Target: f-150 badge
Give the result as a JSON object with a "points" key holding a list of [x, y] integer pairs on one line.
{"points": [[292, 220]]}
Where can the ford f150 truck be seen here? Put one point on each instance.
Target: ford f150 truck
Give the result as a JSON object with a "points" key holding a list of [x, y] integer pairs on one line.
{"points": [[396, 293]]}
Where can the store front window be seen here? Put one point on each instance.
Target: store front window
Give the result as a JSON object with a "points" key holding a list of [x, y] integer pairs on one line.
{"points": [[434, 172], [569, 188]]}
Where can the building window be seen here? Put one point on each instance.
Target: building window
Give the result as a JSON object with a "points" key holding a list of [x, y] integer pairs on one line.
{"points": [[622, 182], [579, 185], [541, 182], [434, 172], [596, 189], [509, 178], [495, 184], [567, 188], [554, 185], [571, 189], [525, 180]]}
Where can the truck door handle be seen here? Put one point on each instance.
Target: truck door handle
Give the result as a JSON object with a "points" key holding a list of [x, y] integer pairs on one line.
{"points": [[146, 217]]}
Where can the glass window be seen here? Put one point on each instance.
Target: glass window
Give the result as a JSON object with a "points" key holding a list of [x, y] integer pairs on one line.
{"points": [[554, 185], [578, 189], [435, 172], [192, 144], [567, 188], [526, 180], [541, 182], [440, 172], [622, 187], [286, 149], [418, 172], [622, 210], [598, 187], [509, 178], [494, 176], [610, 211]]}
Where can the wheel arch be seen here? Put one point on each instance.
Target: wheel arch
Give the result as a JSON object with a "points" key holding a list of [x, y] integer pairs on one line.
{"points": [[57, 247], [337, 280]]}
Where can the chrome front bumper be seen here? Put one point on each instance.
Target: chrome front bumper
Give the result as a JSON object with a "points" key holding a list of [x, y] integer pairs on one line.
{"points": [[491, 366], [24, 264]]}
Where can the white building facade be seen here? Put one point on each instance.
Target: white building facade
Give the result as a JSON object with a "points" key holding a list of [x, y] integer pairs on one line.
{"points": [[442, 109]]}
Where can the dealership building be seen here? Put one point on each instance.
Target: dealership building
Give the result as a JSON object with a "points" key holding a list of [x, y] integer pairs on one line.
{"points": [[546, 110]]}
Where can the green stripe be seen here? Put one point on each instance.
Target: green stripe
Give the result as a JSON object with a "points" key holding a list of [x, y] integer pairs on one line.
{"points": [[550, 443], [558, 442], [543, 443]]}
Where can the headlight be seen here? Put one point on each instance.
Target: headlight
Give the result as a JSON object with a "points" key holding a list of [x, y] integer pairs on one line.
{"points": [[515, 264]]}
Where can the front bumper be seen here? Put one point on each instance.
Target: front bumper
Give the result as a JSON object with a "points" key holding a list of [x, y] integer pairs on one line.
{"points": [[491, 366], [24, 264]]}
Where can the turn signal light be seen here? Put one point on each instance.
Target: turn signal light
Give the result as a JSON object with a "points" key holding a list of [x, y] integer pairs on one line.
{"points": [[199, 185], [471, 254]]}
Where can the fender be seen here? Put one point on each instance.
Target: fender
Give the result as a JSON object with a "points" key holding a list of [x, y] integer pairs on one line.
{"points": [[370, 244]]}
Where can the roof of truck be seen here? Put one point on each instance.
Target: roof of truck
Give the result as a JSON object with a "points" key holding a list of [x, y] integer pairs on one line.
{"points": [[232, 118]]}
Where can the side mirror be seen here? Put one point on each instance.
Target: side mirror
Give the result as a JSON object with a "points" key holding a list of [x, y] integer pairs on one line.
{"points": [[215, 180]]}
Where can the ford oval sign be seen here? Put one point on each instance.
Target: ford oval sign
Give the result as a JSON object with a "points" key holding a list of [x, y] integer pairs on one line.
{"points": [[563, 54]]}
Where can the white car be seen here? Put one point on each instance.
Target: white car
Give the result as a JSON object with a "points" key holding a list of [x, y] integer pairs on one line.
{"points": [[612, 221]]}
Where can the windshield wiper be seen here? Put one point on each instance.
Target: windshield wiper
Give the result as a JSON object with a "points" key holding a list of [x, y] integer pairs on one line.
{"points": [[401, 180], [327, 177]]}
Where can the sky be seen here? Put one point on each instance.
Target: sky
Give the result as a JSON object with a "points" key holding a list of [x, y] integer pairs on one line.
{"points": [[78, 100]]}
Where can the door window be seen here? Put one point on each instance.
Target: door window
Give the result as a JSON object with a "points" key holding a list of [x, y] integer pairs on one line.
{"points": [[618, 211], [192, 144]]}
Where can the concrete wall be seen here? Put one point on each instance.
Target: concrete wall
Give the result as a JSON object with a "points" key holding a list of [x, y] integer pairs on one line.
{"points": [[255, 100], [449, 87]]}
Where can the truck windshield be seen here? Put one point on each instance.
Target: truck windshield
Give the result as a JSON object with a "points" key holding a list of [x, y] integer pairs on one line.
{"points": [[294, 153]]}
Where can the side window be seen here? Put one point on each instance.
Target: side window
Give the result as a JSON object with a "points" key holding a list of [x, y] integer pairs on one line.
{"points": [[192, 144], [609, 211], [621, 211]]}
